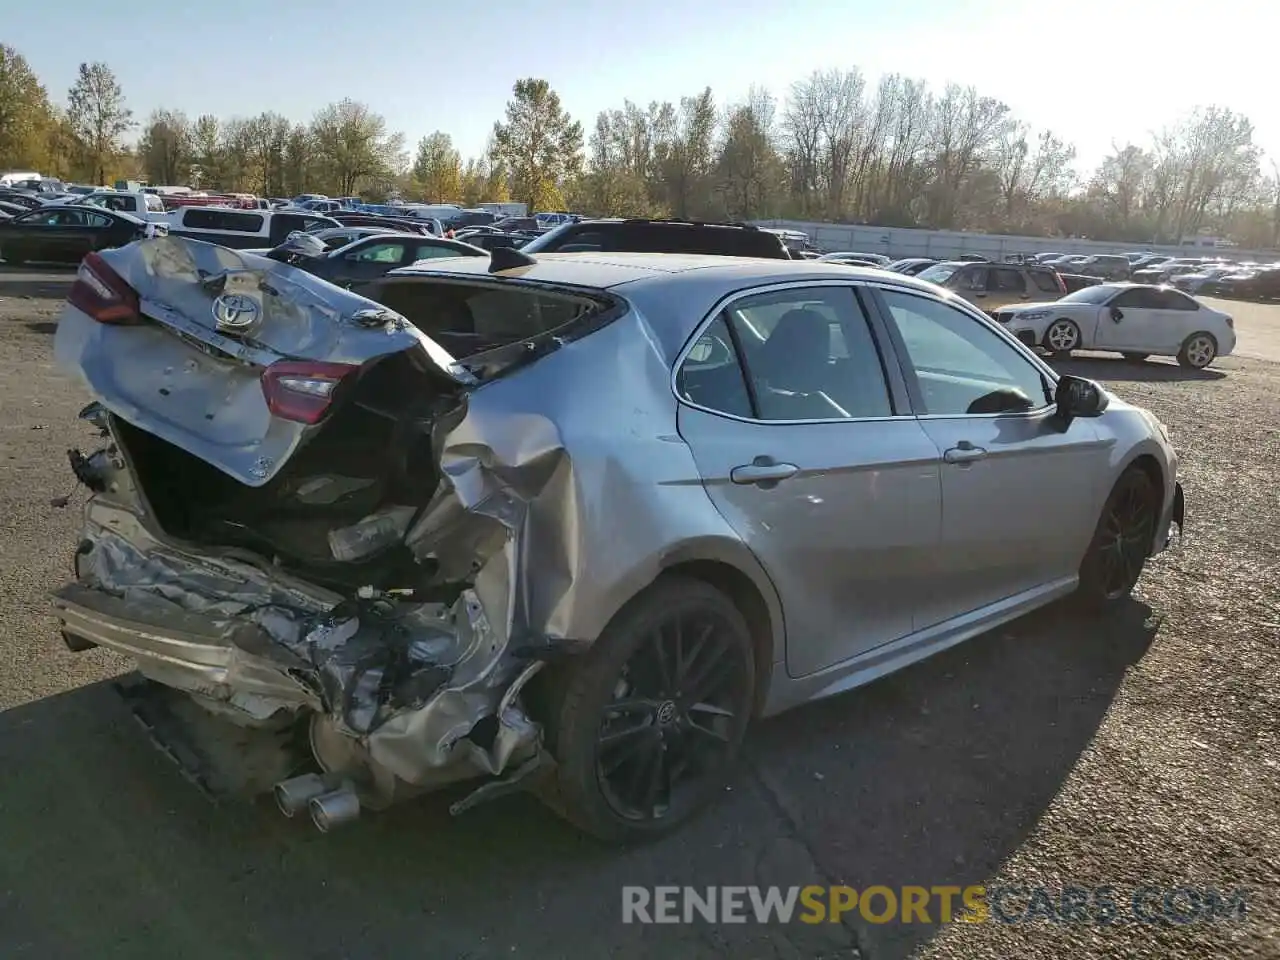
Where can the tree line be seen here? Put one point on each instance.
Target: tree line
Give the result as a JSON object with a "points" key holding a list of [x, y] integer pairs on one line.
{"points": [[835, 148]]}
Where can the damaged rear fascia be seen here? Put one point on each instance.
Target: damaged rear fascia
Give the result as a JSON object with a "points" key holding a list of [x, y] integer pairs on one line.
{"points": [[455, 667]]}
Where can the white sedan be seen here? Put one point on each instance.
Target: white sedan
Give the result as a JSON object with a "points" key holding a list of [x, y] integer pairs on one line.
{"points": [[1134, 319]]}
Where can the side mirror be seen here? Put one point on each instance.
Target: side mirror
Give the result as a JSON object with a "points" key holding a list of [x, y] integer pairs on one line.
{"points": [[1117, 314], [1078, 397]]}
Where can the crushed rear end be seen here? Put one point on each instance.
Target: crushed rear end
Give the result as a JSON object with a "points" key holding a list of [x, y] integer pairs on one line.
{"points": [[281, 528]]}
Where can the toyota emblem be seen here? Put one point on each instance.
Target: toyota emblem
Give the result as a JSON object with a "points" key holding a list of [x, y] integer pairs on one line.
{"points": [[234, 313]]}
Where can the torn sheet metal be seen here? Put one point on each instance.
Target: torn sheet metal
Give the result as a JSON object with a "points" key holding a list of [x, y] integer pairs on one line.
{"points": [[410, 682]]}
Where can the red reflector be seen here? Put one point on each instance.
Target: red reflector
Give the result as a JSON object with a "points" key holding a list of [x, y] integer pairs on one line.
{"points": [[101, 293], [303, 390]]}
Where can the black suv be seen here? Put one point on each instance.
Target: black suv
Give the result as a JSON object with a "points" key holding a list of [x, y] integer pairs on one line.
{"points": [[660, 236]]}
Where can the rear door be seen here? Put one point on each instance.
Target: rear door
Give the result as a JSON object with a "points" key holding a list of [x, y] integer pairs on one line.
{"points": [[801, 435], [1019, 495], [1005, 285]]}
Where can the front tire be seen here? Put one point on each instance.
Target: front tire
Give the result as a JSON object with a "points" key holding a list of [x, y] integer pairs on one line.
{"points": [[1198, 351], [1122, 541], [1061, 337], [646, 725]]}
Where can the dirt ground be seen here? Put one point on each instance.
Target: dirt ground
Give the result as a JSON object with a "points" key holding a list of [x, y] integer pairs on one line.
{"points": [[1139, 750]]}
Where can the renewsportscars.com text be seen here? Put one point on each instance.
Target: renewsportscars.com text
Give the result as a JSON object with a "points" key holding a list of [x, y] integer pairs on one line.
{"points": [[1013, 903]]}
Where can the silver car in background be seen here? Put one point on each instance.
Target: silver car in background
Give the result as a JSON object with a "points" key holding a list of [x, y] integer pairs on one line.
{"points": [[567, 523]]}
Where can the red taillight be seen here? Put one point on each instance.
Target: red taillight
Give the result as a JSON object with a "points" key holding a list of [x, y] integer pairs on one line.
{"points": [[101, 293], [303, 390], [1062, 284]]}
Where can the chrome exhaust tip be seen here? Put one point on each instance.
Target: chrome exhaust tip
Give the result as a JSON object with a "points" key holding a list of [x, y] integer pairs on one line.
{"points": [[335, 808], [293, 795]]}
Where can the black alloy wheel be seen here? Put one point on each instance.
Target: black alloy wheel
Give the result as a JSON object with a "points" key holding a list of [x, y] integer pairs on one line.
{"points": [[646, 724], [672, 716], [1122, 541]]}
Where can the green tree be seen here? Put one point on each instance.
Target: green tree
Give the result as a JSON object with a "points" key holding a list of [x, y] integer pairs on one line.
{"points": [[25, 114], [209, 162], [352, 146], [165, 148], [98, 117], [539, 142], [437, 168]]}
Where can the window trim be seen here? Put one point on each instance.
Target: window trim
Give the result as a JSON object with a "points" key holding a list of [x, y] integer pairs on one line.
{"points": [[918, 405], [895, 383]]}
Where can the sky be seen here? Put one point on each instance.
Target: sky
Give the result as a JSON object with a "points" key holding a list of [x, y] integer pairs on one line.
{"points": [[1097, 74]]}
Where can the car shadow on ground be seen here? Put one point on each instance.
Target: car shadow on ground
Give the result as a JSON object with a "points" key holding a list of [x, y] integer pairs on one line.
{"points": [[933, 776], [1153, 370]]}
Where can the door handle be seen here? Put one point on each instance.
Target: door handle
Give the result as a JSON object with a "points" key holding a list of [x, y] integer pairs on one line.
{"points": [[763, 470], [964, 452]]}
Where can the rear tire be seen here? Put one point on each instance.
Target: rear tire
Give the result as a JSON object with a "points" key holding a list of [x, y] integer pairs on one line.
{"points": [[680, 657], [1122, 541], [1198, 350], [1136, 357], [1061, 337]]}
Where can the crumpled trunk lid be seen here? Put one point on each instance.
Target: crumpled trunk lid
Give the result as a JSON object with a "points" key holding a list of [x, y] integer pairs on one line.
{"points": [[195, 367]]}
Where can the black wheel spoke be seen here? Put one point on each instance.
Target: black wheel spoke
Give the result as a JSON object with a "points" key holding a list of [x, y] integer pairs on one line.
{"points": [[645, 705], [696, 679], [711, 732], [656, 782], [682, 700], [687, 661], [710, 708]]}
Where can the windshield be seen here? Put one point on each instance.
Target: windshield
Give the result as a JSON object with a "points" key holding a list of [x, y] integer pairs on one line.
{"points": [[1097, 294], [940, 273]]}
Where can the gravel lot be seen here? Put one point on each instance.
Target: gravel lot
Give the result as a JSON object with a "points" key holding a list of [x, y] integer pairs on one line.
{"points": [[1059, 751]]}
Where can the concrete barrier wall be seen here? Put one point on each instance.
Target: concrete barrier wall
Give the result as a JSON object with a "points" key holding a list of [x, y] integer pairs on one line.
{"points": [[898, 242]]}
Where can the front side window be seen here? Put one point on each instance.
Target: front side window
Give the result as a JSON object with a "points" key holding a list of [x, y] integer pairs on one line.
{"points": [[972, 278], [1137, 298], [379, 253], [42, 219], [962, 366]]}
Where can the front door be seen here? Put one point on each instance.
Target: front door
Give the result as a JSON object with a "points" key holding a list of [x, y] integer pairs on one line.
{"points": [[787, 412], [1131, 321], [1019, 495]]}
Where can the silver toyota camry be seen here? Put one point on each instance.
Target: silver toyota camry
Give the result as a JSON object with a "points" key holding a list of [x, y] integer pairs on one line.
{"points": [[565, 523]]}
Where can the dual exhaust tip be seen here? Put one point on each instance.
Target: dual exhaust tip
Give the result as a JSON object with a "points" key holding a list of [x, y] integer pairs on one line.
{"points": [[330, 802]]}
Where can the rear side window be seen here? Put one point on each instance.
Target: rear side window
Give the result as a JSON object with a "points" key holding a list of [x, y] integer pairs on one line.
{"points": [[1045, 282], [1005, 280], [807, 354], [210, 219]]}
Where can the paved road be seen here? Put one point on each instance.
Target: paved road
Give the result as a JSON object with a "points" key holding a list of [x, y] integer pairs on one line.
{"points": [[1059, 750]]}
